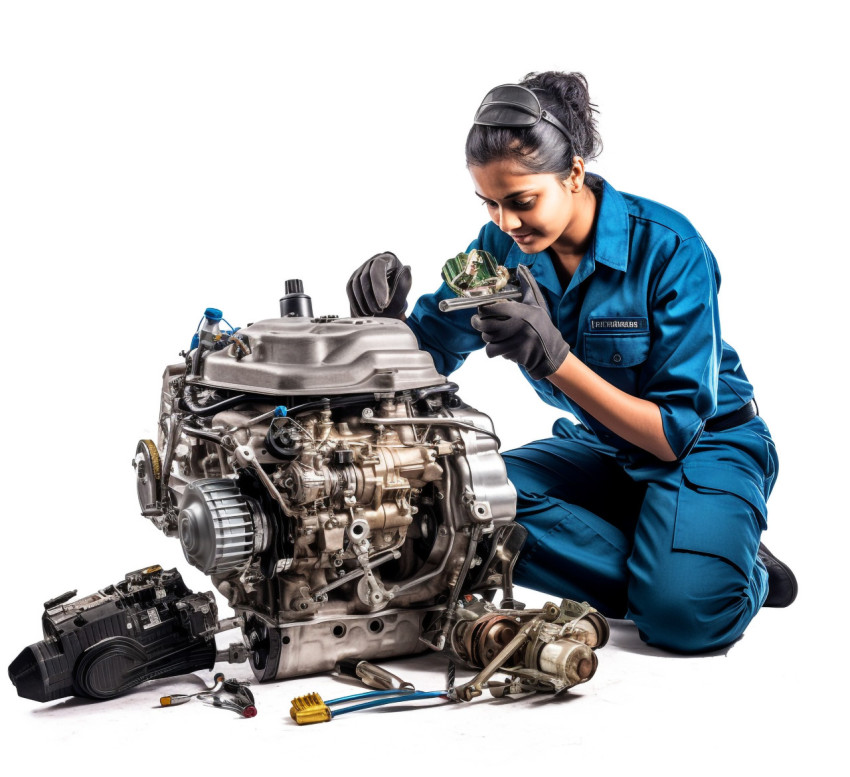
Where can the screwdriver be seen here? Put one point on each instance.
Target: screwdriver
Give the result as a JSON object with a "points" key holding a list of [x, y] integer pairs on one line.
{"points": [[372, 675], [182, 698]]}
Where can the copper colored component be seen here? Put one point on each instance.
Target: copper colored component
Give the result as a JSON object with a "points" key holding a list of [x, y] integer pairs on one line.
{"points": [[488, 636]]}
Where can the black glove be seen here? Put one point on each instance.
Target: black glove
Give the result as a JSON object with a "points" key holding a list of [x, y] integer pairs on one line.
{"points": [[522, 331], [379, 287]]}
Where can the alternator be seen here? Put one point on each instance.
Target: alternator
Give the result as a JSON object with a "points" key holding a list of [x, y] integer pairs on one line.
{"points": [[220, 528]]}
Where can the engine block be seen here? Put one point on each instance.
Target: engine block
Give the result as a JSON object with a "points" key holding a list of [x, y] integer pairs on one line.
{"points": [[333, 485]]}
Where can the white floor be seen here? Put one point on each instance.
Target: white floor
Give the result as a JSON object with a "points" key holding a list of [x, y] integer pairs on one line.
{"points": [[774, 701]]}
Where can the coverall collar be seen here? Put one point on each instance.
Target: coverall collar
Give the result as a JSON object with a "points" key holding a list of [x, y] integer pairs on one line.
{"points": [[610, 244]]}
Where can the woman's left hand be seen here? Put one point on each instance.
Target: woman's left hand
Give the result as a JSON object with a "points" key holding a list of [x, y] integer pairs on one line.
{"points": [[523, 331]]}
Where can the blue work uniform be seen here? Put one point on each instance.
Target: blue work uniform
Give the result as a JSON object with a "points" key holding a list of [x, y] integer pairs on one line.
{"points": [[671, 545]]}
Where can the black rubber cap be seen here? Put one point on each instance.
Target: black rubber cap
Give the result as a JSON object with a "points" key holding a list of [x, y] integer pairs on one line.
{"points": [[28, 673], [348, 666], [295, 303]]}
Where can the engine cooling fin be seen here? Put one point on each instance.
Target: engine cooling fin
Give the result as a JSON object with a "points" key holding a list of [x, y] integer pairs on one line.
{"points": [[216, 526]]}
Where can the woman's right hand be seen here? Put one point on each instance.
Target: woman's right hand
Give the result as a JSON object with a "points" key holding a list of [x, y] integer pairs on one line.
{"points": [[379, 287]]}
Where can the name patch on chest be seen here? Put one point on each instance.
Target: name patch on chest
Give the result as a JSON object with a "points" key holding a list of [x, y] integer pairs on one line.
{"points": [[625, 324]]}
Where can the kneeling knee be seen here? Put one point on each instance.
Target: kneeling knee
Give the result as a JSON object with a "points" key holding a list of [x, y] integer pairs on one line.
{"points": [[673, 626], [689, 618]]}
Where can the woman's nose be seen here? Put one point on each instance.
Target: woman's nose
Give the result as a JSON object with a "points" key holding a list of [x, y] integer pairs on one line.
{"points": [[508, 221]]}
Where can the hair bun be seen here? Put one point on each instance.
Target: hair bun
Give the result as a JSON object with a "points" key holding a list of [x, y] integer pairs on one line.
{"points": [[543, 147], [566, 96]]}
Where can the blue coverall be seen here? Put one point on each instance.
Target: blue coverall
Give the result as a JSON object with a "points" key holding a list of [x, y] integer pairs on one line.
{"points": [[670, 545]]}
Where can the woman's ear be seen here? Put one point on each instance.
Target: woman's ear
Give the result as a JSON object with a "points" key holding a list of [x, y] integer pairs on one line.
{"points": [[575, 182]]}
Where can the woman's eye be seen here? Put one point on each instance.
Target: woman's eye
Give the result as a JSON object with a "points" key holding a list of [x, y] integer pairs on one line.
{"points": [[524, 203]]}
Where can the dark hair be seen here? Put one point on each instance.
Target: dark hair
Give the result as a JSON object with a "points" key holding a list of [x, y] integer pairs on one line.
{"points": [[543, 148]]}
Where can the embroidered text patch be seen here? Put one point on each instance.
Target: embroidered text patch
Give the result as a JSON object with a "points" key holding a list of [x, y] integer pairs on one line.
{"points": [[626, 324]]}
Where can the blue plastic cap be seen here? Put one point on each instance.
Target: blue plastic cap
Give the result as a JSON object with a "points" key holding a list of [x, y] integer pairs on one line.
{"points": [[213, 314], [280, 411]]}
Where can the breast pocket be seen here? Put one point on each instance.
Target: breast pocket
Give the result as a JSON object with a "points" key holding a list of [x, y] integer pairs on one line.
{"points": [[617, 357], [615, 351]]}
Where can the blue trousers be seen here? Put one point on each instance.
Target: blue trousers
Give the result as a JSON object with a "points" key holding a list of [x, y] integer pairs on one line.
{"points": [[670, 545]]}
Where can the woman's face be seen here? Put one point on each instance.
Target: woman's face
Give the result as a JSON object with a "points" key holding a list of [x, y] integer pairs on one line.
{"points": [[535, 209]]}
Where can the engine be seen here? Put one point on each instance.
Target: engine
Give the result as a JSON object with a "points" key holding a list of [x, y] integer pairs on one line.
{"points": [[334, 486], [345, 502]]}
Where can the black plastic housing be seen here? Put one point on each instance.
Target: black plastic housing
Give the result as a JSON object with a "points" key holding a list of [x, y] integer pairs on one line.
{"points": [[149, 625]]}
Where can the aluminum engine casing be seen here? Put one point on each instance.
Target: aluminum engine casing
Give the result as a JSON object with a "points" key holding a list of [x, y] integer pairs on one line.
{"points": [[331, 483]]}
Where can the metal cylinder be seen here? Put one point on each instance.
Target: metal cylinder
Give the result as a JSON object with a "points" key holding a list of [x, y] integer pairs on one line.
{"points": [[571, 661]]}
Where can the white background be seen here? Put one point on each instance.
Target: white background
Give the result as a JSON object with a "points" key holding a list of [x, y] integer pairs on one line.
{"points": [[158, 158]]}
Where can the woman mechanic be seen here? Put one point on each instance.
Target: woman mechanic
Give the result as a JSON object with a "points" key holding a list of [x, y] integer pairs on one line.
{"points": [[651, 508]]}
